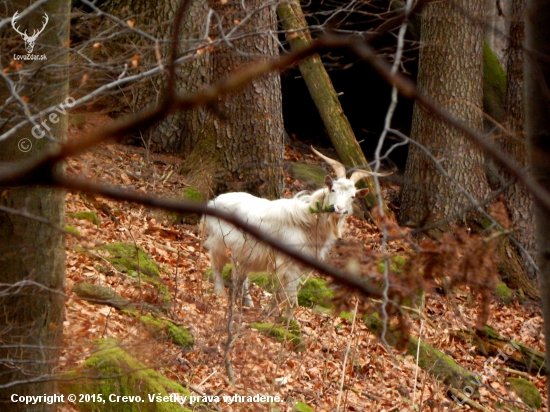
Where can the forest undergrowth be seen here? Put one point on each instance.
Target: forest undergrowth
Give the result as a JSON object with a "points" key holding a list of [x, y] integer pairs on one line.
{"points": [[341, 362]]}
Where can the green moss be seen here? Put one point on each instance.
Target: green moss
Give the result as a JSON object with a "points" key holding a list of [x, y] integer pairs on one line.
{"points": [[394, 336], [490, 332], [281, 334], [89, 215], [162, 328], [441, 366], [314, 176], [126, 257], [192, 195], [111, 370], [71, 230], [526, 391], [504, 293], [346, 315], [397, 263], [226, 274], [266, 281], [303, 407], [315, 293], [494, 84]]}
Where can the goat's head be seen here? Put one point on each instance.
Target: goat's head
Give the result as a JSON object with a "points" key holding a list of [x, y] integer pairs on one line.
{"points": [[342, 191], [340, 194]]}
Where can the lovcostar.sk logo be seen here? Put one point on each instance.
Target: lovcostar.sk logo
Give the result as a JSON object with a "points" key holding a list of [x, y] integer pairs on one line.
{"points": [[30, 40]]}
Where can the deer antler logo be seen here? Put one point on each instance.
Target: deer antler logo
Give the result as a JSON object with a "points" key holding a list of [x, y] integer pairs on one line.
{"points": [[29, 40]]}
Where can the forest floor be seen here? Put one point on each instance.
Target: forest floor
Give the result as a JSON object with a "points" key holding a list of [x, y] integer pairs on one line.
{"points": [[342, 365]]}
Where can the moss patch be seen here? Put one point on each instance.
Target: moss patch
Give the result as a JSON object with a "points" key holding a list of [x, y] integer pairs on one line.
{"points": [[111, 370], [505, 294], [89, 216], [303, 407], [127, 258], [315, 292], [72, 230], [226, 274], [397, 264], [266, 281], [494, 85], [313, 176], [441, 366], [161, 329], [192, 195], [346, 315], [526, 391], [281, 334]]}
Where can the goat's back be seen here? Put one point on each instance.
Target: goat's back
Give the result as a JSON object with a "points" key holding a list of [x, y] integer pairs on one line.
{"points": [[288, 220]]}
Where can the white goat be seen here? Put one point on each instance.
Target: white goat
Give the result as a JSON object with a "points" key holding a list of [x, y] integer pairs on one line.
{"points": [[309, 223]]}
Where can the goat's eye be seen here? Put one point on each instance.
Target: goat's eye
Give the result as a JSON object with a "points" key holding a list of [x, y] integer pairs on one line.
{"points": [[332, 190], [353, 197]]}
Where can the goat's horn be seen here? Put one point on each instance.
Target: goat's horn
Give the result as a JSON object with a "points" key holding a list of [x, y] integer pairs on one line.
{"points": [[360, 174], [338, 167]]}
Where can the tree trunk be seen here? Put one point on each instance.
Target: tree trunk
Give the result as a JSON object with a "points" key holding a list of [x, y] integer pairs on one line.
{"points": [[325, 97], [537, 104], [516, 198], [176, 132], [450, 69], [32, 254], [240, 147]]}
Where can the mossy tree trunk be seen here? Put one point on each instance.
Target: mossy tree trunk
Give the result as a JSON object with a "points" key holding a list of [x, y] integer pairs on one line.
{"points": [[515, 354], [441, 366], [505, 105], [240, 146], [32, 254], [450, 70], [324, 96]]}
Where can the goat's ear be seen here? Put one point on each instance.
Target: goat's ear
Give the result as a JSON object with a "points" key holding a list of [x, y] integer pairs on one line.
{"points": [[328, 181], [361, 193]]}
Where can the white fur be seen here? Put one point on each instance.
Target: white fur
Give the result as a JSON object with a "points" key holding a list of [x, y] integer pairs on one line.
{"points": [[288, 220]]}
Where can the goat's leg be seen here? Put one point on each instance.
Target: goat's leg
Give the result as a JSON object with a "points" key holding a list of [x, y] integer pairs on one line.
{"points": [[218, 259], [240, 283], [288, 291], [247, 300]]}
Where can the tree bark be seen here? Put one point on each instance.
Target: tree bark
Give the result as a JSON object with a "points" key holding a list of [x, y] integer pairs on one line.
{"points": [[240, 146], [537, 105], [325, 97], [32, 254], [450, 69], [177, 132], [516, 198]]}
